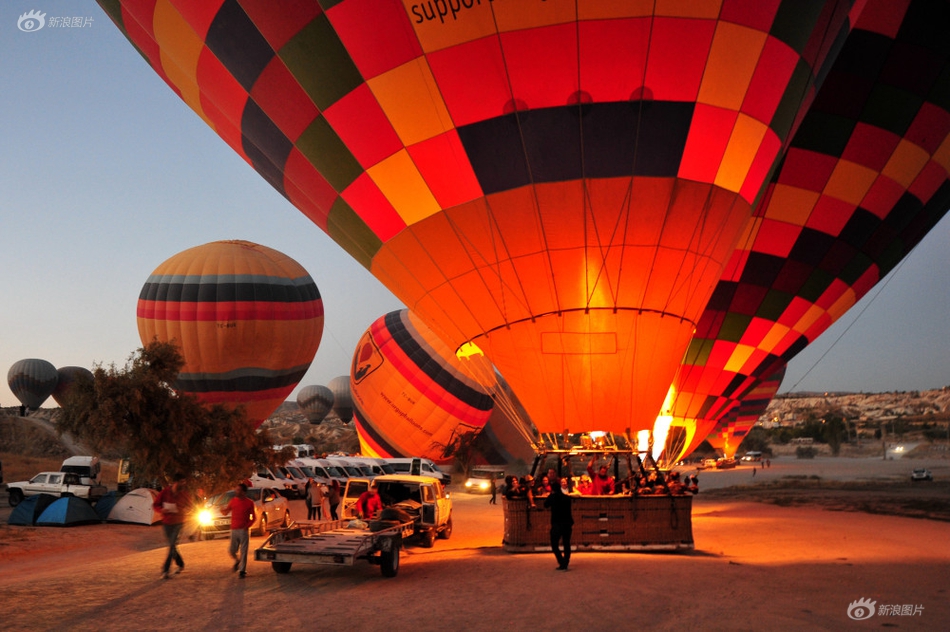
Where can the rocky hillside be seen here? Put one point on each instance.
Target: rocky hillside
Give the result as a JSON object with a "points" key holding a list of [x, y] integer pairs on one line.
{"points": [[910, 406]]}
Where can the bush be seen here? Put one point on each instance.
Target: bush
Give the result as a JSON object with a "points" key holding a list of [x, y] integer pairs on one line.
{"points": [[805, 452]]}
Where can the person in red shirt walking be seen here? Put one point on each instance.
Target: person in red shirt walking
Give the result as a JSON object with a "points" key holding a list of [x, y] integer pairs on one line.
{"points": [[174, 503], [243, 514]]}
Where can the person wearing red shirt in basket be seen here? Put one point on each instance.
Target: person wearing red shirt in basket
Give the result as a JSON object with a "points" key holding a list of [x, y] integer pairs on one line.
{"points": [[242, 513]]}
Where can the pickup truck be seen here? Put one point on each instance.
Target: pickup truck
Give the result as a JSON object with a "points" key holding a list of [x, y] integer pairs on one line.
{"points": [[422, 497], [414, 506], [56, 484]]}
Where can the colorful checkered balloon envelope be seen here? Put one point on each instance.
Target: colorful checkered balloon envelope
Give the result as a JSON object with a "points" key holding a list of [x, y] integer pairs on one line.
{"points": [[560, 182], [866, 176]]}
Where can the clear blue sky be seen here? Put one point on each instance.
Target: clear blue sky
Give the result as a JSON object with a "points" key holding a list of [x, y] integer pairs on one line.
{"points": [[105, 173]]}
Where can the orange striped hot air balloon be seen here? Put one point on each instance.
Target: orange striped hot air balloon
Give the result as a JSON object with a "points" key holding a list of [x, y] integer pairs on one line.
{"points": [[411, 396], [248, 320], [559, 183]]}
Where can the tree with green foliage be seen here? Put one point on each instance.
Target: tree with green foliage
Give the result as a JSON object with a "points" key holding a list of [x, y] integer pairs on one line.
{"points": [[757, 440], [136, 411], [834, 433]]}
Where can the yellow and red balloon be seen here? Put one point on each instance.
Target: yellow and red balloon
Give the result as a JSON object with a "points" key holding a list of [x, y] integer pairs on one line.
{"points": [[248, 320]]}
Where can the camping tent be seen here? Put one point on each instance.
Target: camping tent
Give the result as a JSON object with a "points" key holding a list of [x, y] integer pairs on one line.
{"points": [[105, 504], [30, 509], [136, 506], [66, 512]]}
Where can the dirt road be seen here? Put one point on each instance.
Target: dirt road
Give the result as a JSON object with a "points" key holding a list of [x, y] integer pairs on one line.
{"points": [[756, 566]]}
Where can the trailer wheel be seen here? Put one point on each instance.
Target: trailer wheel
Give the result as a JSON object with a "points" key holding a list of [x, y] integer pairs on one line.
{"points": [[16, 497], [281, 568], [389, 561]]}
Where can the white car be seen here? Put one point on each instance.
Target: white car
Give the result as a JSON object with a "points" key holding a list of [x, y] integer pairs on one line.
{"points": [[272, 511]]}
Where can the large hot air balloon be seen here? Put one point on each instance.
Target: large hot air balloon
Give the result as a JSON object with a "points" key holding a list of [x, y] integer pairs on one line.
{"points": [[732, 429], [411, 395], [560, 183], [866, 176], [248, 320], [315, 401], [32, 381], [67, 376], [342, 400]]}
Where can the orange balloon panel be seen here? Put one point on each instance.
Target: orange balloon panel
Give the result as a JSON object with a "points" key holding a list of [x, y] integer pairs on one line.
{"points": [[584, 304], [247, 318], [410, 393]]}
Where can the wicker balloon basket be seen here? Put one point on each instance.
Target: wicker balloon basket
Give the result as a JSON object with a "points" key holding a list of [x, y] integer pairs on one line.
{"points": [[604, 523]]}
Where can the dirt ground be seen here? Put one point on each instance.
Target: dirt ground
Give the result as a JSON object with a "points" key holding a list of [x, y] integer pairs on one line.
{"points": [[756, 565]]}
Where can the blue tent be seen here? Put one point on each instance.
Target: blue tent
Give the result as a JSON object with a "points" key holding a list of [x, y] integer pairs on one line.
{"points": [[105, 504], [29, 509], [67, 512]]}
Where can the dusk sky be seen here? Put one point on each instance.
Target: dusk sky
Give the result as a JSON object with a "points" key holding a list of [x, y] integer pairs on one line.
{"points": [[106, 173]]}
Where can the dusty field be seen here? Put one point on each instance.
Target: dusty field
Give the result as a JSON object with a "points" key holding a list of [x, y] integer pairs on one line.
{"points": [[756, 566]]}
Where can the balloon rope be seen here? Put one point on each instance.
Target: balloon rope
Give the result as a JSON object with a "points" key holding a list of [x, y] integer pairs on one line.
{"points": [[880, 288]]}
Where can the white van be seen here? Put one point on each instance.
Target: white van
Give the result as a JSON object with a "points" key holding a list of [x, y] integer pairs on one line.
{"points": [[419, 466], [323, 469], [352, 469], [379, 467]]}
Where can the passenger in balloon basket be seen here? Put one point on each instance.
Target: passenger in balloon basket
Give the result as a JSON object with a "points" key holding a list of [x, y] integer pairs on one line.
{"points": [[543, 488], [562, 524], [528, 484], [602, 484], [513, 488], [174, 504]]}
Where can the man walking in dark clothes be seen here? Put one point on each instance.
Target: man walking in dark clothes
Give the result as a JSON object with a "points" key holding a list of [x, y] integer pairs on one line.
{"points": [[494, 490], [562, 524]]}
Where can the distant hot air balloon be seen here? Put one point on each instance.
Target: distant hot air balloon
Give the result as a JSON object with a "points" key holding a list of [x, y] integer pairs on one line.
{"points": [[342, 399], [732, 429], [866, 176], [67, 378], [248, 320], [315, 401], [411, 395], [32, 381], [560, 185]]}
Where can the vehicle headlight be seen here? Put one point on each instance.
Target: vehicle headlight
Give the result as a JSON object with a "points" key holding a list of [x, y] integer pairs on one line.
{"points": [[204, 518], [468, 483], [483, 485]]}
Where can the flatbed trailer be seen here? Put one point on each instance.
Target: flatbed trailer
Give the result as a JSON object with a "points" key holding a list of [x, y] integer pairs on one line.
{"points": [[335, 543]]}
